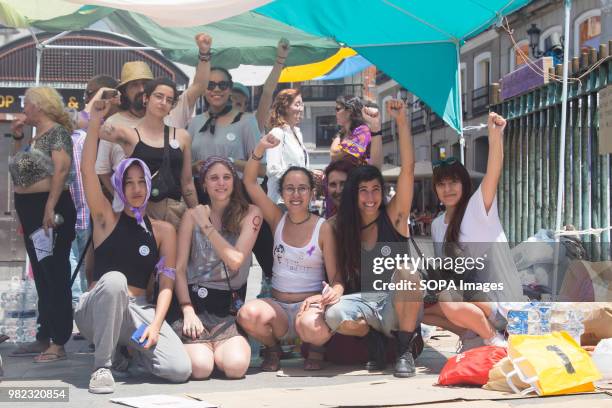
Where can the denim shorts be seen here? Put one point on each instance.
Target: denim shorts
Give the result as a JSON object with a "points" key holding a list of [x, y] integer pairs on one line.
{"points": [[376, 309]]}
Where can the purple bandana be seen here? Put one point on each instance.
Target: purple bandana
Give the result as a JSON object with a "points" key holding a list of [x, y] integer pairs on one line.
{"points": [[162, 269], [119, 200]]}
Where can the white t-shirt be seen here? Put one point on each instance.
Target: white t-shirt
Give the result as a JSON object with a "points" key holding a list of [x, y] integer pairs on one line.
{"points": [[110, 154], [485, 229], [290, 152]]}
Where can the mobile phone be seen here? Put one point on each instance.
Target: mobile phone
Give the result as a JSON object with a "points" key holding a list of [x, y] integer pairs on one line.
{"points": [[109, 94], [138, 334]]}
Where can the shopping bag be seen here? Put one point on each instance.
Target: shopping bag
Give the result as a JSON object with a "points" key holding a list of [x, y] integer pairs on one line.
{"points": [[471, 367], [551, 364], [497, 377]]}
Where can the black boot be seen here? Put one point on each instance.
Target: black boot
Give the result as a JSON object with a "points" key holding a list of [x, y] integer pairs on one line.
{"points": [[409, 346], [376, 350]]}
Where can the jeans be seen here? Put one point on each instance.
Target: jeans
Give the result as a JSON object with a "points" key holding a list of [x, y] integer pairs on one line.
{"points": [[76, 251]]}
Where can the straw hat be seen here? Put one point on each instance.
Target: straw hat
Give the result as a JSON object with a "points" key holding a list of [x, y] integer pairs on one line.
{"points": [[133, 71]]}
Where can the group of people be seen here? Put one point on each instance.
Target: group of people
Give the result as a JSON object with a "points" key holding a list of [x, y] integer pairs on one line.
{"points": [[175, 212]]}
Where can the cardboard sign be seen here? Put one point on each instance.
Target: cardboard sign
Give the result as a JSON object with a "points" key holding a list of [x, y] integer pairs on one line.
{"points": [[605, 120]]}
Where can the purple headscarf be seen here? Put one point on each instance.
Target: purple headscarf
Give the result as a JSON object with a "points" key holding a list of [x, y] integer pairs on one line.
{"points": [[119, 200]]}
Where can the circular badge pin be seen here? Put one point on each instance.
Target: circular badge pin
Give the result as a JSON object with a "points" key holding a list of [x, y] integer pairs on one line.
{"points": [[154, 192], [202, 293], [231, 137], [144, 250], [174, 144]]}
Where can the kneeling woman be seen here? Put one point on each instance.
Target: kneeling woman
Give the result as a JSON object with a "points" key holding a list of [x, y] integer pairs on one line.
{"points": [[304, 249], [214, 257], [128, 248]]}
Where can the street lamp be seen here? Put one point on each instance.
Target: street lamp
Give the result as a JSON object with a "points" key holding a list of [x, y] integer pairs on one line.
{"points": [[556, 43]]}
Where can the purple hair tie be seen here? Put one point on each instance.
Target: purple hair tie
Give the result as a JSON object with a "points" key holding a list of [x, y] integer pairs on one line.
{"points": [[119, 200], [162, 269]]}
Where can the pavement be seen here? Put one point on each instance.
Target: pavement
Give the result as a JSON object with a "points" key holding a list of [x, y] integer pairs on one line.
{"points": [[74, 373]]}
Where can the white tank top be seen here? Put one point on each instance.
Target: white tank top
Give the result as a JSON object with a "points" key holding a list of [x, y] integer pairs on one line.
{"points": [[297, 270]]}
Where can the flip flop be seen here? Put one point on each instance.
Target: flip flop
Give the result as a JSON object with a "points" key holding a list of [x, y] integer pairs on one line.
{"points": [[50, 357]]}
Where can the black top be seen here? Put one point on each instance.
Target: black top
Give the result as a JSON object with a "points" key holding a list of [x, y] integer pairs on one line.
{"points": [[129, 249], [385, 233], [154, 157]]}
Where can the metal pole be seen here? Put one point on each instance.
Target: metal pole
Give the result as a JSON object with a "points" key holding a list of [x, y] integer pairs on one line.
{"points": [[460, 108], [99, 47], [560, 184]]}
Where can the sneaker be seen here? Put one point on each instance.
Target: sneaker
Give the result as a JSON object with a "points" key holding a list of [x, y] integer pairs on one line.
{"points": [[498, 340], [102, 381], [468, 341]]}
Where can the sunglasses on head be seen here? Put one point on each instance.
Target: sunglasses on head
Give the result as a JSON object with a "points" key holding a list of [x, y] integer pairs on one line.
{"points": [[444, 162], [222, 85]]}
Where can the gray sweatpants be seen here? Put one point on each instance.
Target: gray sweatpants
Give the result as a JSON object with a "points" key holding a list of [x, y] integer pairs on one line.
{"points": [[107, 316]]}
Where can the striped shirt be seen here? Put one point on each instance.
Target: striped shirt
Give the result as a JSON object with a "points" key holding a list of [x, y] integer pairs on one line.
{"points": [[76, 186]]}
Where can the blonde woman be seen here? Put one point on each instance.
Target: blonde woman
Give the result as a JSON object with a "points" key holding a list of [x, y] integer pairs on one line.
{"points": [[40, 172]]}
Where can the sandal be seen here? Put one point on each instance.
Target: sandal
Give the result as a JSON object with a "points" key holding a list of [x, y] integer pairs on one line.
{"points": [[50, 357], [271, 358], [29, 349], [312, 363]]}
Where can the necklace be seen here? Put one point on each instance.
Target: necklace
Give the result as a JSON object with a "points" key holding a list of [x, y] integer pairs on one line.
{"points": [[370, 224], [301, 222]]}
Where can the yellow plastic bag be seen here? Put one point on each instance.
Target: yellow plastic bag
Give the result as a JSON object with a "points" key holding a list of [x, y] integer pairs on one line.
{"points": [[552, 364]]}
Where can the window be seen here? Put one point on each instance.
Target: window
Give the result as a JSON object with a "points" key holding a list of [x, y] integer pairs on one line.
{"points": [[549, 37], [482, 70], [326, 130], [519, 54], [481, 153], [587, 29]]}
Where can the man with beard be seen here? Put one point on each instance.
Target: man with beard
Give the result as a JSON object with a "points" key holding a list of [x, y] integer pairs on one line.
{"points": [[134, 76]]}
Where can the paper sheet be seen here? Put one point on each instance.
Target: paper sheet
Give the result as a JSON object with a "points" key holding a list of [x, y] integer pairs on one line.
{"points": [[156, 401], [43, 243]]}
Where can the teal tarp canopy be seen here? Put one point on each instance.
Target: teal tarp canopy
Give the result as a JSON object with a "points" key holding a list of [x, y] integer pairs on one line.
{"points": [[415, 42]]}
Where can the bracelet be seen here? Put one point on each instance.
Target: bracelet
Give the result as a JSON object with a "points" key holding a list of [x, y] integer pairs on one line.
{"points": [[18, 138], [255, 157], [379, 133], [281, 62], [208, 228], [183, 304], [205, 57]]}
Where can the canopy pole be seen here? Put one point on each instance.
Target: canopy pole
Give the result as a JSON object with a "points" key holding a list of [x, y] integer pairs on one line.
{"points": [[560, 184], [460, 109]]}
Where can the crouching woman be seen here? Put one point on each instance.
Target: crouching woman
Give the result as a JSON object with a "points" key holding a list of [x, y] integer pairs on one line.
{"points": [[128, 248]]}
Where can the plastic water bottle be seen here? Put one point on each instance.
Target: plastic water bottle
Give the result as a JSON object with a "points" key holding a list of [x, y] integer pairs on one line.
{"points": [[533, 318], [566, 317], [518, 320]]}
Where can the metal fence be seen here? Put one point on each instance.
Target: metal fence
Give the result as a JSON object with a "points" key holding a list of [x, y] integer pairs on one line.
{"points": [[527, 194]]}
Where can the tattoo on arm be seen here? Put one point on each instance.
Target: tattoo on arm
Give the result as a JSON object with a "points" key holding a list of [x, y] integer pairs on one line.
{"points": [[256, 223]]}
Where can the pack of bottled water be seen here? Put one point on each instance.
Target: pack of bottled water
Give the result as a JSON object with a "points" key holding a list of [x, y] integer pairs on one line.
{"points": [[546, 317], [19, 311]]}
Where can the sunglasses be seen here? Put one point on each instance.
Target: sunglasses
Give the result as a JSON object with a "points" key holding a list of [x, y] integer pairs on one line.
{"points": [[444, 162], [222, 85]]}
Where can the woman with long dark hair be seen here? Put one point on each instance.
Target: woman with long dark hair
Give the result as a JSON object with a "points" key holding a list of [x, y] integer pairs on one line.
{"points": [[353, 139], [165, 150], [45, 209], [362, 221], [304, 279], [214, 257], [129, 249], [470, 224]]}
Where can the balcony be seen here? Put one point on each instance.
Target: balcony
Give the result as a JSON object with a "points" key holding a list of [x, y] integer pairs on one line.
{"points": [[480, 100], [330, 92], [418, 121]]}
